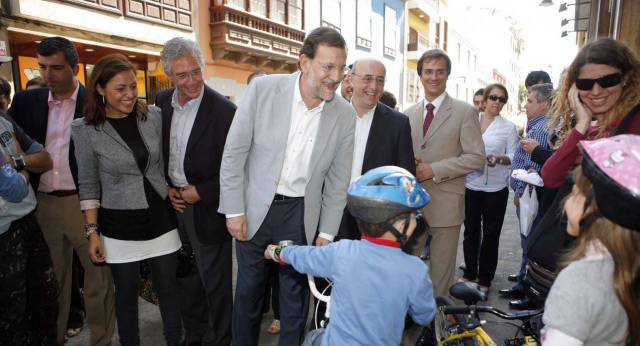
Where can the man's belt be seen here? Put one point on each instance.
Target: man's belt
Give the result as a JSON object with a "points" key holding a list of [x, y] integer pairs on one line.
{"points": [[62, 193], [279, 198]]}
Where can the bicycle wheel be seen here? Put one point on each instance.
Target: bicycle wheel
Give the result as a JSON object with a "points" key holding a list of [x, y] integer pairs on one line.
{"points": [[443, 325]]}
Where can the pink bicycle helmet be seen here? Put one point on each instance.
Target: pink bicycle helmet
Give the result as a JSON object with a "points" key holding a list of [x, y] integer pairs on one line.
{"points": [[613, 167]]}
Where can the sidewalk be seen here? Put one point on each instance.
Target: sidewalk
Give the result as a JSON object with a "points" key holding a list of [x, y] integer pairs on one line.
{"points": [[508, 263]]}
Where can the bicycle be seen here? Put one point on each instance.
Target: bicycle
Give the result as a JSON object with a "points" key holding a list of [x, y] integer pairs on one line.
{"points": [[461, 325]]}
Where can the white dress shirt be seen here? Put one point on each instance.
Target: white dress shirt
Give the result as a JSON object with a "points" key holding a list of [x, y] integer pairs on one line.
{"points": [[181, 125], [302, 136], [363, 127], [436, 103], [500, 139]]}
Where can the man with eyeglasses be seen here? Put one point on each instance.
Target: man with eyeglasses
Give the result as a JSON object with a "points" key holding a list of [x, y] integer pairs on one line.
{"points": [[447, 142], [284, 176], [477, 100], [195, 123], [346, 89], [382, 135]]}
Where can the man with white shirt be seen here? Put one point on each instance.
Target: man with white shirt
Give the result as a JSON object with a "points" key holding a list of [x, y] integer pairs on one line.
{"points": [[195, 123], [45, 114], [382, 136], [284, 176], [447, 142]]}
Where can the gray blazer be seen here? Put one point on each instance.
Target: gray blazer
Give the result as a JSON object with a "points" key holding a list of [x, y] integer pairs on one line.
{"points": [[107, 169], [254, 155]]}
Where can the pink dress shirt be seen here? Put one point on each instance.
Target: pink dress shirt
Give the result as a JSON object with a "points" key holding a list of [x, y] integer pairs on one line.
{"points": [[57, 144]]}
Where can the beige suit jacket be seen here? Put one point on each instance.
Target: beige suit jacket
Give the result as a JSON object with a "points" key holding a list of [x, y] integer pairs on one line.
{"points": [[453, 147]]}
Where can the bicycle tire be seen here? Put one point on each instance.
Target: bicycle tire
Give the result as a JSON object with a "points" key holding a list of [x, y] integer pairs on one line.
{"points": [[442, 322]]}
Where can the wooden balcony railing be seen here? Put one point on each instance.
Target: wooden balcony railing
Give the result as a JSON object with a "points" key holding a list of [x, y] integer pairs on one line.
{"points": [[259, 35]]}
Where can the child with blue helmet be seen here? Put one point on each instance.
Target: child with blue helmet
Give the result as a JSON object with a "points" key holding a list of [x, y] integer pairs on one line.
{"points": [[375, 284]]}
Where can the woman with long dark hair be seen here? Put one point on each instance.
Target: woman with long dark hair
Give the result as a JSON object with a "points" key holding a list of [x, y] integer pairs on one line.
{"points": [[123, 194]]}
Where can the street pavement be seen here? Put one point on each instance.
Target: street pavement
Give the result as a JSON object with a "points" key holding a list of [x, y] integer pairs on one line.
{"points": [[510, 254]]}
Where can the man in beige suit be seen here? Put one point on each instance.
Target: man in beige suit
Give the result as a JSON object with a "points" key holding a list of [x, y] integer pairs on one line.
{"points": [[448, 144]]}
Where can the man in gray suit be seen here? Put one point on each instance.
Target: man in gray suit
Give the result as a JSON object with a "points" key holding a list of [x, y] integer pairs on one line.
{"points": [[448, 144], [284, 176]]}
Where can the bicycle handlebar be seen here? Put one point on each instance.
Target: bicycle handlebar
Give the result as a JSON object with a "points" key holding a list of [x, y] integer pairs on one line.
{"points": [[464, 309]]}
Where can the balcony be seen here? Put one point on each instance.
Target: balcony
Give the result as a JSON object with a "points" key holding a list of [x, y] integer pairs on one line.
{"points": [[417, 45], [425, 8], [250, 38]]}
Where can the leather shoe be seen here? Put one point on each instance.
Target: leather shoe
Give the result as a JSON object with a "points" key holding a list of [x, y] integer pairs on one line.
{"points": [[511, 293], [513, 277], [462, 266], [522, 304]]}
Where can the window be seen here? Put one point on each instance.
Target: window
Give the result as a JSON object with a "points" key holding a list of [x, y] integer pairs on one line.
{"points": [[414, 87], [363, 19], [237, 3], [459, 50], [468, 58], [438, 35], [445, 45], [295, 13], [475, 62], [278, 10], [390, 28], [331, 17], [259, 7]]}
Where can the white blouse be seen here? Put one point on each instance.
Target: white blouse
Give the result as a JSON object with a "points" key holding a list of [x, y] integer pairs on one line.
{"points": [[500, 139]]}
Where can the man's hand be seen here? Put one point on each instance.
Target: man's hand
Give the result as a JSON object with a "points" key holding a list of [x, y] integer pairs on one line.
{"points": [[190, 194], [492, 160], [237, 227], [423, 170], [516, 200], [322, 242], [176, 200], [528, 145]]}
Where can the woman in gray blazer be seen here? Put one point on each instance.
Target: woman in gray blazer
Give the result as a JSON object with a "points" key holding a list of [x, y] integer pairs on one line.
{"points": [[123, 194]]}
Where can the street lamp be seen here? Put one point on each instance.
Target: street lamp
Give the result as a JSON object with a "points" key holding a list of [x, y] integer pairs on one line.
{"points": [[565, 6], [546, 3], [566, 33], [566, 21]]}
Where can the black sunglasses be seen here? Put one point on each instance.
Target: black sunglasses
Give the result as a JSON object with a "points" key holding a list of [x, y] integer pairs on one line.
{"points": [[605, 81], [498, 98]]}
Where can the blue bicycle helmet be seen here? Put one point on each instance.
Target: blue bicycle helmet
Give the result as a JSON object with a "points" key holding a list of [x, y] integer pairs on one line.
{"points": [[384, 193]]}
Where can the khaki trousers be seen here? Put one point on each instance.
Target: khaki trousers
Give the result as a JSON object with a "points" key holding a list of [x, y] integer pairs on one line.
{"points": [[62, 225], [444, 248]]}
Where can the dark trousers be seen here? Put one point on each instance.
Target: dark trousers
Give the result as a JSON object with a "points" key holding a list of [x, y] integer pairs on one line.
{"points": [[214, 265], [484, 215], [126, 278], [284, 221], [28, 287], [272, 293]]}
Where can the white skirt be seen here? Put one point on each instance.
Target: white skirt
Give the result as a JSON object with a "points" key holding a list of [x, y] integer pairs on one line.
{"points": [[125, 251]]}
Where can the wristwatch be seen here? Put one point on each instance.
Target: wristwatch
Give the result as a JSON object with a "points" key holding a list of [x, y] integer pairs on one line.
{"points": [[18, 162], [90, 228]]}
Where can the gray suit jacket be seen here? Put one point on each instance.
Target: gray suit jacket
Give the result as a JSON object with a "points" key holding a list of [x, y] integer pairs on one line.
{"points": [[453, 147], [254, 155], [107, 169]]}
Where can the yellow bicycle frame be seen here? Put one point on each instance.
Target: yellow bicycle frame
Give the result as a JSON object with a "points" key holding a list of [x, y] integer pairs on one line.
{"points": [[482, 337]]}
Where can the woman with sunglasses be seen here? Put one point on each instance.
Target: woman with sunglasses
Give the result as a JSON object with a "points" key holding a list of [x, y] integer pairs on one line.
{"points": [[598, 91], [487, 192]]}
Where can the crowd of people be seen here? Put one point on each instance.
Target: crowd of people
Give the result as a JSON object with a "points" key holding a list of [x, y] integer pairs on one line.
{"points": [[357, 187]]}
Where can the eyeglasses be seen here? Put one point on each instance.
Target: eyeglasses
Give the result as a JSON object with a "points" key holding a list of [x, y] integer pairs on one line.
{"points": [[498, 98], [368, 79], [440, 72], [605, 81], [329, 68], [185, 75]]}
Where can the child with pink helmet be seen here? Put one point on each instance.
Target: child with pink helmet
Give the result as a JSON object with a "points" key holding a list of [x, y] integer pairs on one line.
{"points": [[596, 298]]}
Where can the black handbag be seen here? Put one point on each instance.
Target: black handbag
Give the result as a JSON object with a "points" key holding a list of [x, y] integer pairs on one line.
{"points": [[186, 258]]}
